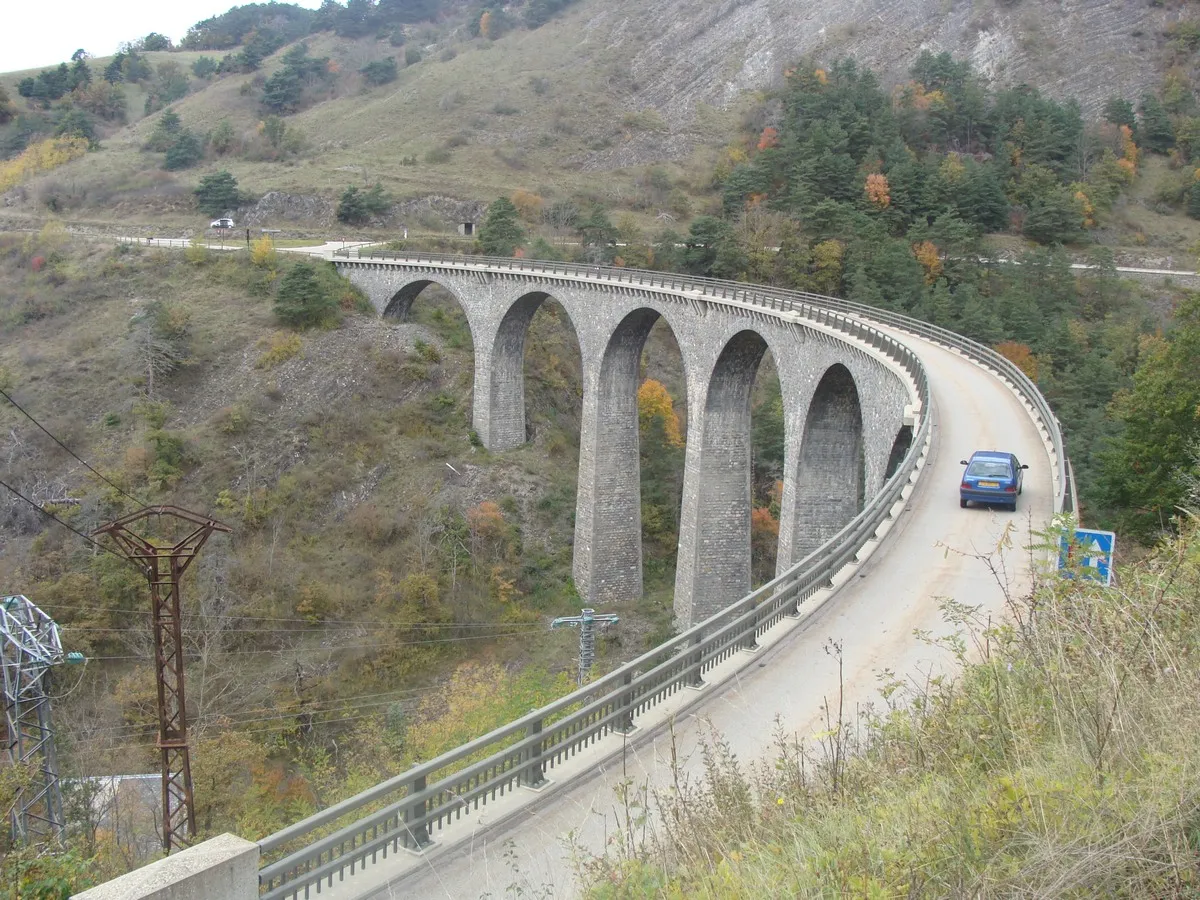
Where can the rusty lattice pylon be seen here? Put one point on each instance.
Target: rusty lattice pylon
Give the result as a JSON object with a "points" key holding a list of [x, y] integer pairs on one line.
{"points": [[163, 568]]}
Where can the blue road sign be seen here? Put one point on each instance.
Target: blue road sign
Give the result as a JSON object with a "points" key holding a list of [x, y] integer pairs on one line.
{"points": [[1090, 553]]}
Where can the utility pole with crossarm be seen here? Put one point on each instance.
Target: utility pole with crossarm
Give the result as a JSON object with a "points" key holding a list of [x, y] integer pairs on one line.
{"points": [[586, 622], [163, 567]]}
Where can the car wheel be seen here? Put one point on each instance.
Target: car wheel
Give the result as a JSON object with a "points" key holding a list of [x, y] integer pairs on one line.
{"points": [[962, 503], [1012, 507]]}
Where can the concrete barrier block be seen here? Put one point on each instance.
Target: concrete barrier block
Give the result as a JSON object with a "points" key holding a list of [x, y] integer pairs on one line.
{"points": [[221, 868]]}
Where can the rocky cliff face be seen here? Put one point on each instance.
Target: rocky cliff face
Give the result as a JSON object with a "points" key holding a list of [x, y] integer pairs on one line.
{"points": [[710, 51]]}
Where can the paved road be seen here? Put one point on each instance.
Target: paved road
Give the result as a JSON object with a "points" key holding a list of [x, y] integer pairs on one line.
{"points": [[493, 852]]}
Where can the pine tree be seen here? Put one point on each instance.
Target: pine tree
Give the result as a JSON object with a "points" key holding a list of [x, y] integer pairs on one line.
{"points": [[1157, 133], [302, 301], [501, 232], [217, 193]]}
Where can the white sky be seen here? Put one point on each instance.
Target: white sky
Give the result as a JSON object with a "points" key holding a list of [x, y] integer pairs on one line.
{"points": [[40, 33]]}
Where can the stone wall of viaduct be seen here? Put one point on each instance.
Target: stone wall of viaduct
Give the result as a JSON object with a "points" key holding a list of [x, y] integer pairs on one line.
{"points": [[845, 408]]}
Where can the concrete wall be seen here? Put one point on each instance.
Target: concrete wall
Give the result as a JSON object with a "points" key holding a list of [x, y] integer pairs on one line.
{"points": [[835, 453], [221, 868]]}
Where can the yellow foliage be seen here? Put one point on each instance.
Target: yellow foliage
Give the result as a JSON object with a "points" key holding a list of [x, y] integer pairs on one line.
{"points": [[485, 24], [827, 266], [279, 346], [821, 76], [927, 255], [952, 169], [41, 157], [655, 405], [262, 253]]}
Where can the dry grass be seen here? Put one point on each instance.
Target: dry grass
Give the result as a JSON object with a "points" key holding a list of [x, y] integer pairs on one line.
{"points": [[1061, 763], [528, 111]]}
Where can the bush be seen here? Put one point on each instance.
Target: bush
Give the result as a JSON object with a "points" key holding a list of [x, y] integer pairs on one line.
{"points": [[381, 71], [412, 56], [217, 193], [185, 152], [356, 207], [303, 301], [204, 67]]}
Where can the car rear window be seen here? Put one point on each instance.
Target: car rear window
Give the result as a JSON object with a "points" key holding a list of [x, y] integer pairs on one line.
{"points": [[988, 468]]}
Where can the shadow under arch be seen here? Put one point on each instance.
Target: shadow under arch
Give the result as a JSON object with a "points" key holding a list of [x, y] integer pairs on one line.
{"points": [[608, 565], [508, 424], [830, 478], [714, 541], [399, 308]]}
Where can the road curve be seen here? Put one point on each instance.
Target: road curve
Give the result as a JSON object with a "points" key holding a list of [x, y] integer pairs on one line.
{"points": [[873, 615]]}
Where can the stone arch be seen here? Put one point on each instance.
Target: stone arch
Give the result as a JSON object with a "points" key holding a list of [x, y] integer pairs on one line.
{"points": [[608, 520], [714, 535], [831, 474]]}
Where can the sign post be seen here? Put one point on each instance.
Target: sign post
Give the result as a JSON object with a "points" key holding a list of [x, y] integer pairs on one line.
{"points": [[1089, 552]]}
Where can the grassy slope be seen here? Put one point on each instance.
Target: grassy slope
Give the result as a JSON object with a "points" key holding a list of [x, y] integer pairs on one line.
{"points": [[557, 90], [328, 464], [1062, 764]]}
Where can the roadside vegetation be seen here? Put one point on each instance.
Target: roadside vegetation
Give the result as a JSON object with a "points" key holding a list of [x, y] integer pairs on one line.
{"points": [[1060, 761]]}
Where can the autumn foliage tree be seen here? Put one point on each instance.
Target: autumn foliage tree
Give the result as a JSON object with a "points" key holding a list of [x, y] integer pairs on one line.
{"points": [[661, 446], [876, 190], [1021, 356]]}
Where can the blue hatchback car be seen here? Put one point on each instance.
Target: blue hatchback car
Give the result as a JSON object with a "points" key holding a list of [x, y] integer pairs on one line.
{"points": [[992, 476]]}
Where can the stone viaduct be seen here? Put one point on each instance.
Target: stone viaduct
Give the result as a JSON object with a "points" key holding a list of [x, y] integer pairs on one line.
{"points": [[848, 413]]}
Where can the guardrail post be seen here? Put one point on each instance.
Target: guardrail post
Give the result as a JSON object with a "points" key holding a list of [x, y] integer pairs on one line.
{"points": [[534, 775], [624, 724], [418, 832], [750, 639], [695, 660]]}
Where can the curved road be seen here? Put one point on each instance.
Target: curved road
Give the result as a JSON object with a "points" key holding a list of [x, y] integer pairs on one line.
{"points": [[495, 850]]}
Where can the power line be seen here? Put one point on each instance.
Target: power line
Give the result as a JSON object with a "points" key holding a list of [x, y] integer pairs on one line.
{"points": [[478, 637], [326, 624], [50, 515], [81, 461], [320, 706], [275, 730], [315, 629]]}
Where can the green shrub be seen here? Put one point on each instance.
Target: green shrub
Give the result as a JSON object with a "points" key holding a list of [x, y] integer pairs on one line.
{"points": [[303, 301]]}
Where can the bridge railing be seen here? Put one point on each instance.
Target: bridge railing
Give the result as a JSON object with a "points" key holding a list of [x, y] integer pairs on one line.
{"points": [[405, 811], [781, 299]]}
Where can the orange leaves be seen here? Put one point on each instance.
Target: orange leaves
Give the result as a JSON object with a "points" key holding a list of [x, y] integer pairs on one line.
{"points": [[486, 521], [485, 24], [655, 407], [763, 525], [1021, 356], [1087, 209], [529, 205], [876, 190], [1129, 153], [927, 255], [769, 138]]}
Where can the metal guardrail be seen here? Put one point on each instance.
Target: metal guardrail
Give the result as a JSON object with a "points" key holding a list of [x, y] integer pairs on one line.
{"points": [[403, 812]]}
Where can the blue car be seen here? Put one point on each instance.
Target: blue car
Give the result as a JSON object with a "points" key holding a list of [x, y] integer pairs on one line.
{"points": [[992, 476]]}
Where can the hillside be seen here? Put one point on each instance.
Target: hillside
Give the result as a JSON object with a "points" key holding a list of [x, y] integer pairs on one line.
{"points": [[603, 87]]}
